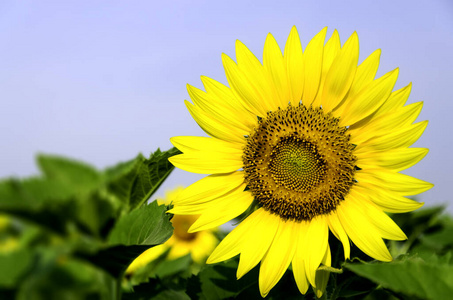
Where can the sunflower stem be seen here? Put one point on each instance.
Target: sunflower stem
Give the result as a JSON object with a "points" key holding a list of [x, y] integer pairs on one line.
{"points": [[330, 269]]}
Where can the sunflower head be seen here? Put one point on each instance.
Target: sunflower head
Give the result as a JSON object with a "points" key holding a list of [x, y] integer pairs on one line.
{"points": [[298, 163], [312, 138], [198, 244]]}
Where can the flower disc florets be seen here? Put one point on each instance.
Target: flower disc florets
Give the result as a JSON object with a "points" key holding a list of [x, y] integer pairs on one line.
{"points": [[298, 162]]}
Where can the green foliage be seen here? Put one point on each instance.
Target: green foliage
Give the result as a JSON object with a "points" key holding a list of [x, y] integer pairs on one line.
{"points": [[133, 182], [413, 276], [72, 232], [76, 229], [147, 225], [14, 265]]}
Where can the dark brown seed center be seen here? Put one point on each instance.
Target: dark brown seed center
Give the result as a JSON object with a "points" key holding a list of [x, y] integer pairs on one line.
{"points": [[296, 164], [299, 163]]}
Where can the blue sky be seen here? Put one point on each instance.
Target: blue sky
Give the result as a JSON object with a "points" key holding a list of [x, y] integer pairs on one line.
{"points": [[101, 81]]}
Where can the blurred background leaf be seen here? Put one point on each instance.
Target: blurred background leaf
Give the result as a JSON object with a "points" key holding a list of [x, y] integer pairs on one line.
{"points": [[72, 232]]}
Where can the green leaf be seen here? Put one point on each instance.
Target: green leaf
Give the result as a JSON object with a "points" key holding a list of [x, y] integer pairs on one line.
{"points": [[419, 221], [148, 225], [180, 266], [55, 207], [37, 200], [161, 267], [439, 239], [120, 178], [76, 176], [96, 213], [115, 260], [219, 281], [13, 266], [428, 232], [134, 233], [60, 277], [150, 178], [156, 289], [31, 193], [348, 285], [55, 200], [413, 277], [171, 294], [134, 182]]}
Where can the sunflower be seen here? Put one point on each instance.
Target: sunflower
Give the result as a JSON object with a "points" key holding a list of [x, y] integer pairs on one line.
{"points": [[315, 143], [8, 243], [198, 244]]}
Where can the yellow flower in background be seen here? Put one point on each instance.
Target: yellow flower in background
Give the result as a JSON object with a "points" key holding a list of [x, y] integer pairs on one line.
{"points": [[7, 243], [316, 142], [198, 244]]}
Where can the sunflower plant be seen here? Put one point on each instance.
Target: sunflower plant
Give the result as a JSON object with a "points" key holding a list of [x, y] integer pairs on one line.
{"points": [[316, 143], [303, 157]]}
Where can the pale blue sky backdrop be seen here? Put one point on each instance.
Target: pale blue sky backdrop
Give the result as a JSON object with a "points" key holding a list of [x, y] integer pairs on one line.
{"points": [[101, 81]]}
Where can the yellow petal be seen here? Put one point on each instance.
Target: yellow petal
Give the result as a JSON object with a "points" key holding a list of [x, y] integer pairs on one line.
{"points": [[277, 259], [313, 67], [366, 72], [258, 242], [385, 123], [363, 233], [397, 159], [401, 184], [383, 223], [315, 242], [225, 96], [368, 99], [195, 208], [338, 230], [243, 88], [275, 66], [214, 107], [256, 74], [294, 66], [298, 262], [341, 74], [207, 162], [322, 276], [215, 216], [210, 187], [146, 257], [195, 144], [214, 127], [331, 50], [231, 245], [396, 100], [390, 202], [399, 138]]}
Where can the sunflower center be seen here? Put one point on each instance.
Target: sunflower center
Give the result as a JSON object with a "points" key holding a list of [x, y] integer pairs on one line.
{"points": [[298, 162], [181, 224]]}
